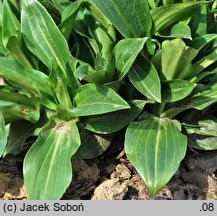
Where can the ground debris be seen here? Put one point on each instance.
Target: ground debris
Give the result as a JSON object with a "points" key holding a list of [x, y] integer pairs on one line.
{"points": [[109, 177], [12, 187], [111, 189]]}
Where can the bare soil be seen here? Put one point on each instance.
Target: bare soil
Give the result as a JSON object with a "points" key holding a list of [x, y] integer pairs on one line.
{"points": [[112, 177]]}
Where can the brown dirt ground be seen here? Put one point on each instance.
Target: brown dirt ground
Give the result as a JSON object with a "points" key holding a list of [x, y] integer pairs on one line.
{"points": [[112, 177]]}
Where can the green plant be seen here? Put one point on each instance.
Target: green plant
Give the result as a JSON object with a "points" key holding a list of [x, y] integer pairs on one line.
{"points": [[179, 76], [40, 91], [70, 69]]}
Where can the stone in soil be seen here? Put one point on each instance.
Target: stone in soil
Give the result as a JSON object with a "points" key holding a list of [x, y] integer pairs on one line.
{"points": [[111, 189]]}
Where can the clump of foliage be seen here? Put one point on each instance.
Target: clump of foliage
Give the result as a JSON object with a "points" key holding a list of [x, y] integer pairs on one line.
{"points": [[74, 73]]}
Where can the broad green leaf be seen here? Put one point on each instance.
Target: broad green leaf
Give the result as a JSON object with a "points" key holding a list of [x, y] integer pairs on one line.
{"points": [[181, 30], [32, 80], [200, 100], [93, 99], [19, 112], [3, 134], [19, 132], [202, 142], [12, 39], [175, 90], [11, 26], [113, 122], [130, 18], [155, 147], [8, 96], [145, 79], [18, 51], [125, 53], [42, 36], [92, 145], [204, 98], [164, 16], [207, 126], [47, 165], [176, 57], [202, 134]]}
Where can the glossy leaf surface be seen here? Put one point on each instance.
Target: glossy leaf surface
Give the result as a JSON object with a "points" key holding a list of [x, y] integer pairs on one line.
{"points": [[155, 147], [113, 122], [125, 53], [11, 25], [26, 78], [175, 90], [47, 165], [94, 99], [164, 16], [145, 79], [42, 36], [176, 56], [131, 18], [203, 133]]}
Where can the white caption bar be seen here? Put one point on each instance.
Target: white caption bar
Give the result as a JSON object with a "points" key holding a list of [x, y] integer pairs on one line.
{"points": [[110, 208]]}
